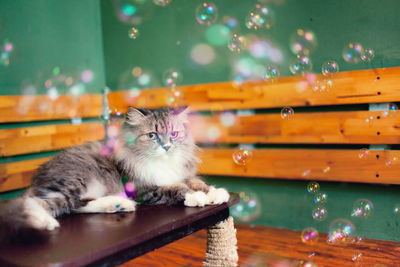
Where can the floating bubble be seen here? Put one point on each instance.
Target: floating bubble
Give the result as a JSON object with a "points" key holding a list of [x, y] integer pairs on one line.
{"points": [[236, 43], [130, 190], [393, 160], [352, 52], [329, 68], [202, 54], [172, 77], [227, 118], [206, 13], [307, 264], [133, 33], [370, 120], [309, 235], [320, 198], [218, 34], [367, 55], [322, 85], [271, 74], [137, 79], [231, 22], [242, 156], [300, 66], [5, 55], [357, 257], [306, 173], [161, 2], [249, 207], [303, 42], [396, 209], [114, 115], [340, 231], [133, 11], [286, 112], [362, 208], [326, 169], [313, 187], [319, 214], [87, 76], [363, 153], [213, 133], [174, 97], [260, 17]]}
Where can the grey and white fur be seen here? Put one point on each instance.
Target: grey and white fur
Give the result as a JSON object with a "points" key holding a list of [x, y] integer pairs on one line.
{"points": [[154, 149]]}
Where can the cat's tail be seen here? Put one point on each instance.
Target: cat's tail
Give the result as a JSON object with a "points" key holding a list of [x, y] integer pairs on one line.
{"points": [[24, 219]]}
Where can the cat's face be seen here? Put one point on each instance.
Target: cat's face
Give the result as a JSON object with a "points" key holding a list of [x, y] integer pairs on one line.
{"points": [[160, 132]]}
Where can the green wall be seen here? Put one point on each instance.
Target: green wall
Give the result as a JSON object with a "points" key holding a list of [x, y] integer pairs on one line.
{"points": [[48, 34]]}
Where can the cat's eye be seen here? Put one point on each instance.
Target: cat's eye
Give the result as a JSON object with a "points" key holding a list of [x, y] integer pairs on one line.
{"points": [[174, 134], [152, 135]]}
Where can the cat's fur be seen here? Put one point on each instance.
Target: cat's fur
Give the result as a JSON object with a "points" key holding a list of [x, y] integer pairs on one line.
{"points": [[161, 161]]}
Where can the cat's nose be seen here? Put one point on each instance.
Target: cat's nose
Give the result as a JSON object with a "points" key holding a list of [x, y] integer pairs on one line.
{"points": [[166, 147]]}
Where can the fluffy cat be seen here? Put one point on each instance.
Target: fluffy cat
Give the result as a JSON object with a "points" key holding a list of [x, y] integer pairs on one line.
{"points": [[154, 149]]}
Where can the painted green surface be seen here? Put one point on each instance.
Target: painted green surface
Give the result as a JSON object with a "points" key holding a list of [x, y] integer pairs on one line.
{"points": [[47, 34], [287, 204], [168, 34]]}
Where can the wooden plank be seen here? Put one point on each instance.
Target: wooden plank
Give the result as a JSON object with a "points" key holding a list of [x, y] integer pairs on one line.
{"points": [[352, 87], [25, 140], [353, 127], [269, 246], [15, 108], [18, 174], [344, 165]]}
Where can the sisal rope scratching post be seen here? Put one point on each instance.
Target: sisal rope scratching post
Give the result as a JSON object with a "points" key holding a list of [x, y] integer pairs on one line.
{"points": [[221, 245]]}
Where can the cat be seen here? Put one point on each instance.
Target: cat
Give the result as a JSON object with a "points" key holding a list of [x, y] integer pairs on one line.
{"points": [[154, 149]]}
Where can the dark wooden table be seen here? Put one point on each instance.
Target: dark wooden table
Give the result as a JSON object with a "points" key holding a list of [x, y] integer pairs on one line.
{"points": [[111, 239]]}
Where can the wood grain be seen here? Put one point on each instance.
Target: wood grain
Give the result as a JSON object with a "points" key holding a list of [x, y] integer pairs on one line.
{"points": [[18, 174], [15, 108], [26, 140], [344, 165], [351, 87], [261, 246], [351, 127]]}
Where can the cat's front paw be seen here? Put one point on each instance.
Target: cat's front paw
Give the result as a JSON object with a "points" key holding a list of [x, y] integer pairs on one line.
{"points": [[217, 195], [196, 199], [118, 204]]}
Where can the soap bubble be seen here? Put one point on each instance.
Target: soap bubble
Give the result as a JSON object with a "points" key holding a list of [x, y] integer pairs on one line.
{"points": [[133, 33], [231, 22], [306, 173], [309, 235], [300, 66], [307, 264], [319, 214], [260, 17], [362, 208], [367, 55], [113, 115], [312, 187], [161, 2], [242, 156], [303, 42], [218, 34], [172, 77], [287, 112], [130, 190], [320, 198], [393, 160], [135, 80], [202, 54], [326, 169], [6, 52], [363, 153], [392, 109], [227, 118], [396, 209], [236, 43], [249, 207], [133, 11], [357, 257], [352, 52], [322, 85], [206, 13], [271, 74], [329, 67], [174, 97], [341, 231]]}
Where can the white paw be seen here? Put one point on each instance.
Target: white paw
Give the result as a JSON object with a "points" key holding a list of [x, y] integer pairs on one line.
{"points": [[112, 204], [43, 221], [196, 199], [217, 195]]}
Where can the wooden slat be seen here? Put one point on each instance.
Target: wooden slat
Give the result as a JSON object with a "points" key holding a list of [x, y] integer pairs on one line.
{"points": [[308, 164], [15, 108], [18, 174], [352, 87], [354, 127], [269, 246], [25, 140]]}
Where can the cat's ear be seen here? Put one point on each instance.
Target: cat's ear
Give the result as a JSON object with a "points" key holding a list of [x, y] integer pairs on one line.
{"points": [[181, 113], [134, 116]]}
